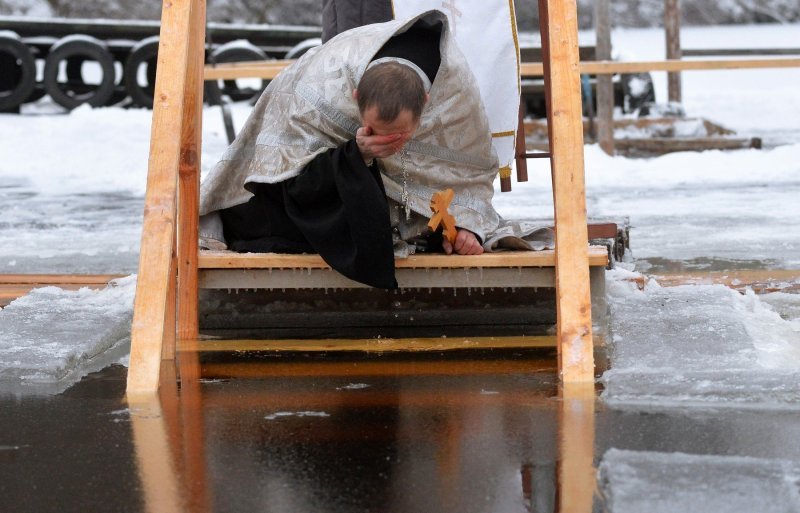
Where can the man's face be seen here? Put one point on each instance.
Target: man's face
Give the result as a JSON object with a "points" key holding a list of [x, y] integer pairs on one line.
{"points": [[404, 124]]}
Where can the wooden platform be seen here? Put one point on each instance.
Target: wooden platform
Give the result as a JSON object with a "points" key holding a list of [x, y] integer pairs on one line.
{"points": [[225, 270], [377, 345]]}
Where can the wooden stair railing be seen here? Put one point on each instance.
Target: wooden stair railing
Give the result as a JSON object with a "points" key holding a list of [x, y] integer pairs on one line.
{"points": [[167, 289]]}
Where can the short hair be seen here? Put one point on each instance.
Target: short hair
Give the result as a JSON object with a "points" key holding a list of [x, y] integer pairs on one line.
{"points": [[391, 87]]}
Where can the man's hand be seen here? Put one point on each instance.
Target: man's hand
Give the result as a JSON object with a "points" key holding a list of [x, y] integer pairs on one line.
{"points": [[466, 243], [378, 146]]}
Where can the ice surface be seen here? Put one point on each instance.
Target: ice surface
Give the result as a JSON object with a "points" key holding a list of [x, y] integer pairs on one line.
{"points": [[51, 337], [633, 481], [71, 193], [699, 344]]}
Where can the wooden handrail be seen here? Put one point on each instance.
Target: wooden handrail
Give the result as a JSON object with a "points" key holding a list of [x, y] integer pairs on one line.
{"points": [[270, 69], [154, 305], [558, 26]]}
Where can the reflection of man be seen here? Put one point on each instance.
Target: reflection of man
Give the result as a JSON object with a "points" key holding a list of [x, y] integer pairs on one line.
{"points": [[346, 127]]}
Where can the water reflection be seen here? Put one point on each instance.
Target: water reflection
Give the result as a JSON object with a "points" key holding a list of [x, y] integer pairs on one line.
{"points": [[433, 433]]}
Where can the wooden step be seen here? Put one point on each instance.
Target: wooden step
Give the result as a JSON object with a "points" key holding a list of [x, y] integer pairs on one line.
{"points": [[229, 270]]}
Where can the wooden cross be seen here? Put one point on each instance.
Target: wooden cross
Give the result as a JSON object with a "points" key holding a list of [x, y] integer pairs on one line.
{"points": [[439, 204]]}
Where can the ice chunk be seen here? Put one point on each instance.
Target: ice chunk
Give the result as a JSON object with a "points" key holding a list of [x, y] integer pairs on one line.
{"points": [[699, 344], [52, 337], [633, 481]]}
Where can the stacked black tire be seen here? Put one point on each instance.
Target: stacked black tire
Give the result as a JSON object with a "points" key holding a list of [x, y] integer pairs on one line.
{"points": [[80, 69]]}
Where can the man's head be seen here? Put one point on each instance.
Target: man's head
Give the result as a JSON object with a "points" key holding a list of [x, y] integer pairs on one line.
{"points": [[390, 98]]}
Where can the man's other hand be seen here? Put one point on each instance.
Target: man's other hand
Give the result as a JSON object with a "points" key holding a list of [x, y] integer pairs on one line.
{"points": [[374, 146], [466, 243]]}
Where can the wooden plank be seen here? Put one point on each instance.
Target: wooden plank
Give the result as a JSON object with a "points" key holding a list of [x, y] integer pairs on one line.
{"points": [[672, 31], [759, 280], [380, 345], [58, 279], [365, 368], [661, 145], [158, 226], [684, 65], [559, 21], [428, 278], [189, 179], [545, 258], [735, 52], [536, 69], [13, 286]]}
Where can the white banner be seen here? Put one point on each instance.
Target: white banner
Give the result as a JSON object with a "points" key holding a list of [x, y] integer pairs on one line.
{"points": [[486, 32]]}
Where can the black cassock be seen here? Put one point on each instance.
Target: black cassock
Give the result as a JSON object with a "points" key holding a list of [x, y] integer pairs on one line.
{"points": [[336, 207]]}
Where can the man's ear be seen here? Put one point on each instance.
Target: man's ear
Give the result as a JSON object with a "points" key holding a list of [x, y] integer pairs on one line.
{"points": [[355, 94]]}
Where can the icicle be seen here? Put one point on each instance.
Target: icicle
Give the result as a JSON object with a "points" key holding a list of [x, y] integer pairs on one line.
{"points": [[455, 292]]}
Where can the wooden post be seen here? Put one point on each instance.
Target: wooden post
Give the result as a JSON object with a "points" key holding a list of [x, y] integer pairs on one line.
{"points": [[522, 150], [151, 305], [672, 27], [559, 27], [189, 181], [605, 89]]}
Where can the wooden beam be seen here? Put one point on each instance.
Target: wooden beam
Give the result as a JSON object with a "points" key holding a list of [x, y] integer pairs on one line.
{"points": [[268, 70], [545, 258], [377, 367], [189, 178], [734, 52], [605, 88], [672, 29], [379, 345], [559, 28], [158, 227]]}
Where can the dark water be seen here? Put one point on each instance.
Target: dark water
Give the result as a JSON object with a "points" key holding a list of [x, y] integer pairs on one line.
{"points": [[475, 432]]}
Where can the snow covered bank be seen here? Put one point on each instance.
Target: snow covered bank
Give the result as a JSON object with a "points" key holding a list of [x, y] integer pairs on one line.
{"points": [[700, 345], [634, 481], [52, 337]]}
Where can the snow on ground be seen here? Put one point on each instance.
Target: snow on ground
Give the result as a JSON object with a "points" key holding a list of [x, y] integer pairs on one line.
{"points": [[71, 193]]}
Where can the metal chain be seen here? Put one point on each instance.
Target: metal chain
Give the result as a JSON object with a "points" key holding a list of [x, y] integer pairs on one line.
{"points": [[404, 197]]}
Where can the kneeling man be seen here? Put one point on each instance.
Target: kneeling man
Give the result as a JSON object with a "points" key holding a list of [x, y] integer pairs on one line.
{"points": [[382, 111]]}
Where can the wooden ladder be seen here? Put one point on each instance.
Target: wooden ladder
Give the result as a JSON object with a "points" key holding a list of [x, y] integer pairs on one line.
{"points": [[171, 268]]}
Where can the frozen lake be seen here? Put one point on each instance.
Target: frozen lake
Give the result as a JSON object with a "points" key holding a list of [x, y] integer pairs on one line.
{"points": [[684, 360]]}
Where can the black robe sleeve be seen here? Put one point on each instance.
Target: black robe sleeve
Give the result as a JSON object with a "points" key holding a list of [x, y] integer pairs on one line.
{"points": [[336, 207], [339, 204]]}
